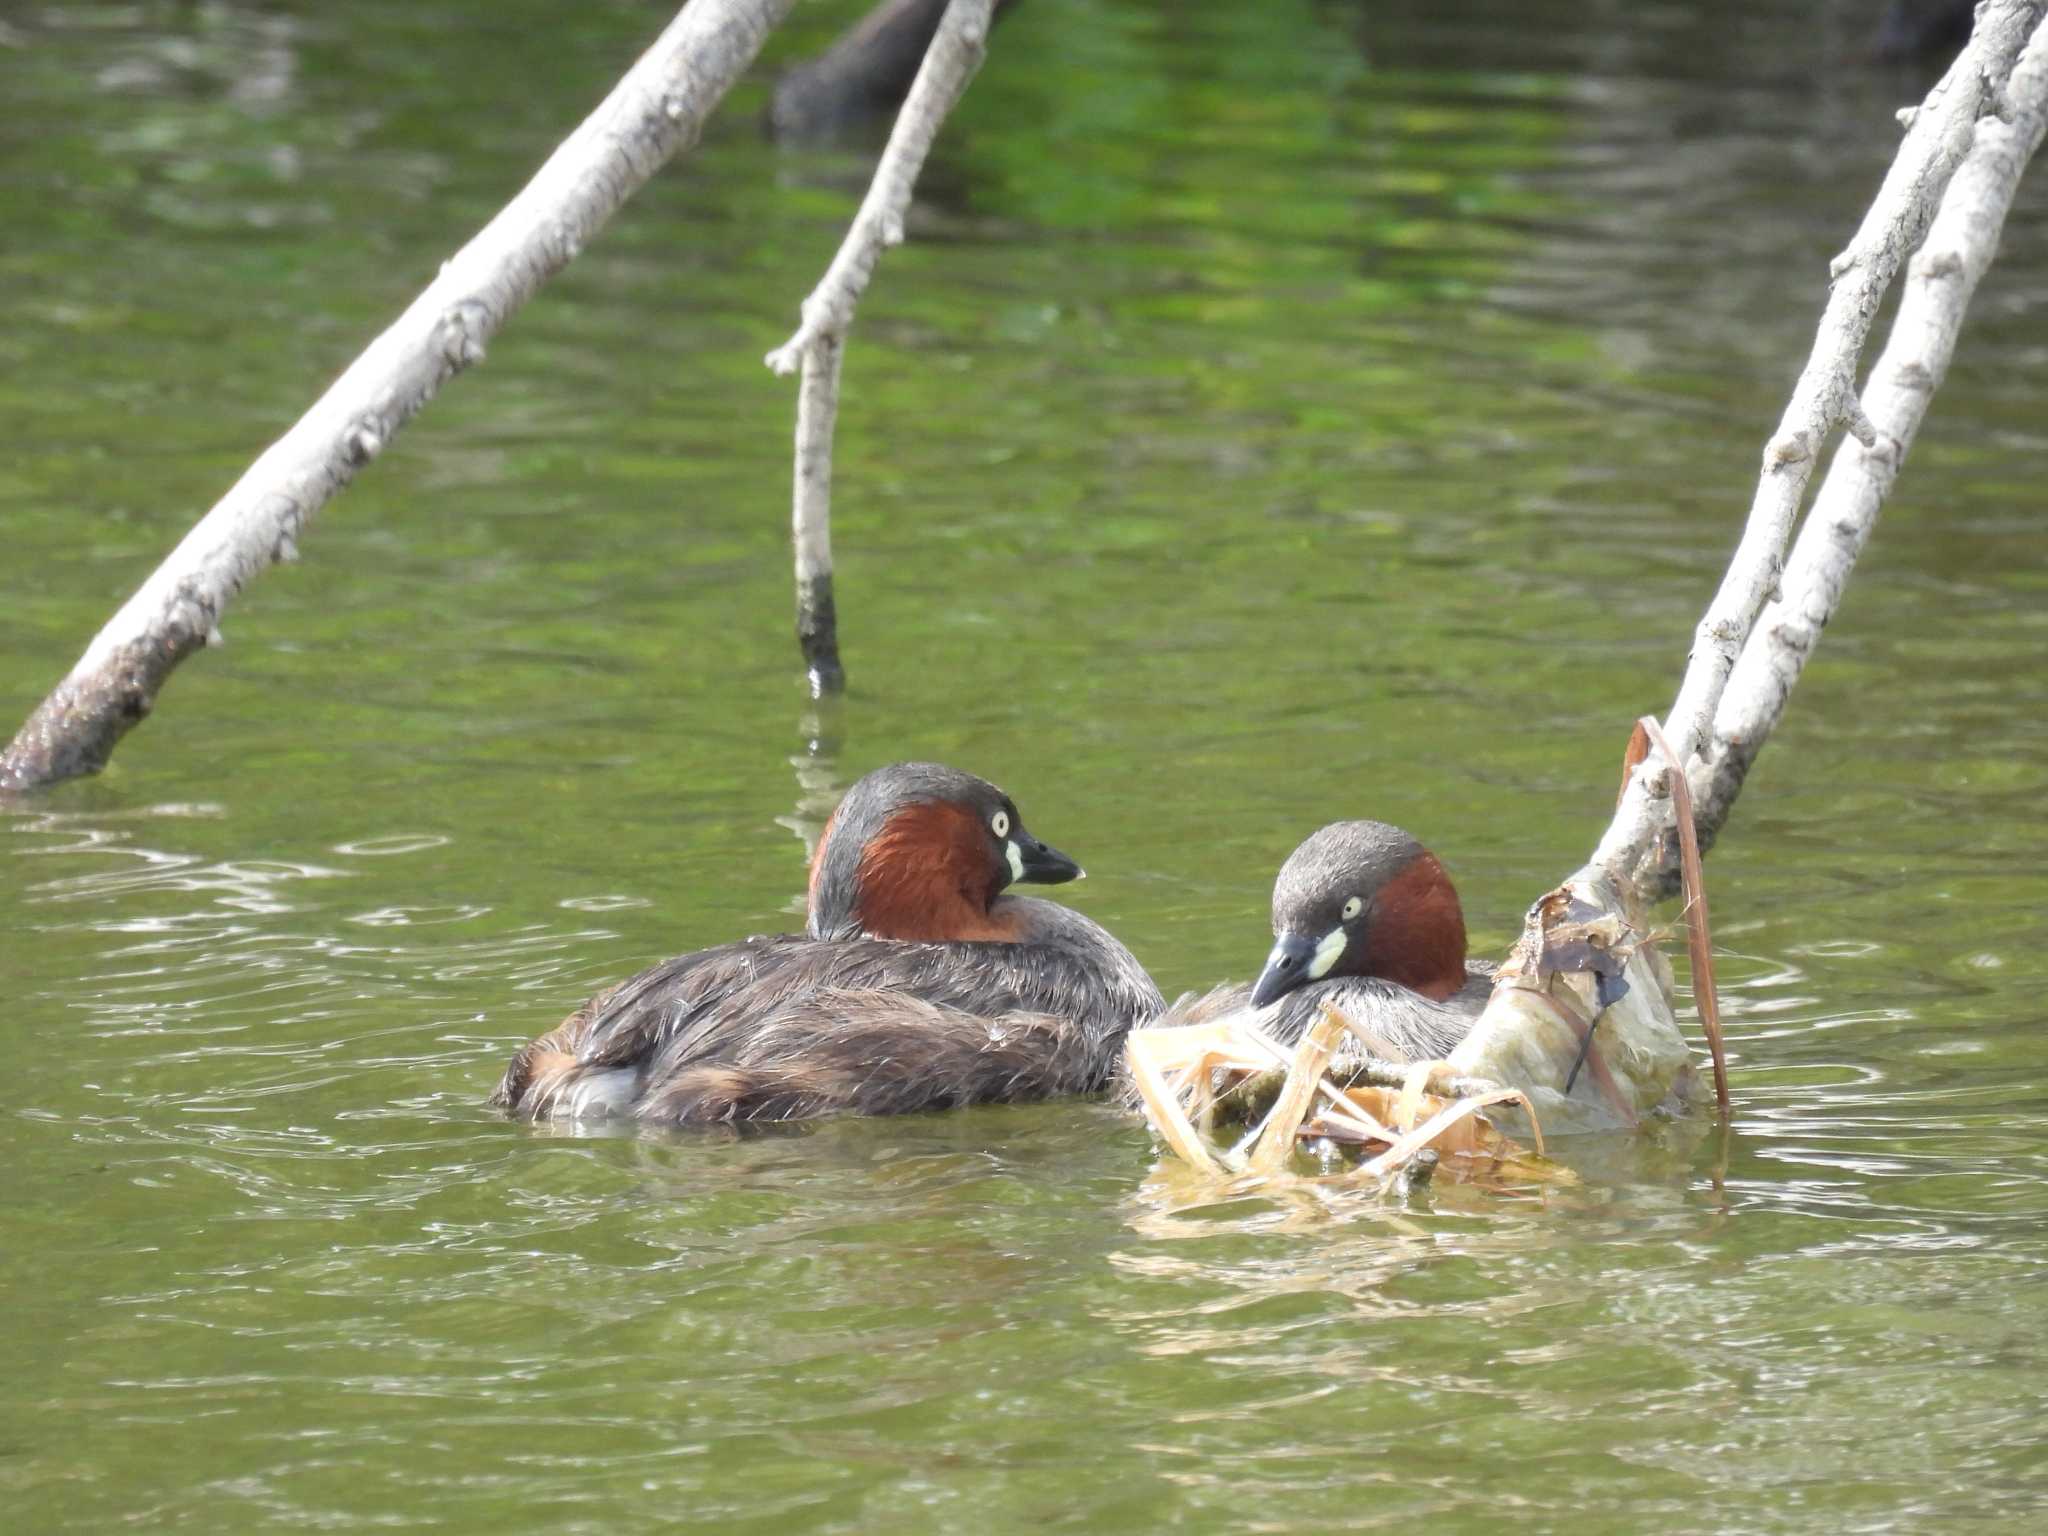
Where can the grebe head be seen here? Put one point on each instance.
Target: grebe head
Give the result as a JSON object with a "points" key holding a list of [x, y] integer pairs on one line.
{"points": [[921, 851], [1361, 898]]}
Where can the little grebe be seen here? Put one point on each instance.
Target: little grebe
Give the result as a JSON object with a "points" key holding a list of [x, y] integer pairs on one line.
{"points": [[1366, 921], [917, 985]]}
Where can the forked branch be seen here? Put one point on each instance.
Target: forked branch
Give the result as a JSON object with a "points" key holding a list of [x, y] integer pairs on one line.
{"points": [[1638, 861], [1940, 282], [1638, 848]]}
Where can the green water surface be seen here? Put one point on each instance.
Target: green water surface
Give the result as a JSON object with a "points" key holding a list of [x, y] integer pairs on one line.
{"points": [[1280, 412]]}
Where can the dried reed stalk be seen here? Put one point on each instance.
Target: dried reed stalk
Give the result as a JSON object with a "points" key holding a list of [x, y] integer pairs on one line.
{"points": [[1699, 938]]}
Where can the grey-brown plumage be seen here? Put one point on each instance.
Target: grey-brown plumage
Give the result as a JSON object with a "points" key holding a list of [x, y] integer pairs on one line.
{"points": [[847, 1019]]}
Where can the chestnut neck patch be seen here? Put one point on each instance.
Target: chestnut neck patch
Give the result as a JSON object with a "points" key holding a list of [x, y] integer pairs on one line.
{"points": [[929, 874], [1418, 933]]}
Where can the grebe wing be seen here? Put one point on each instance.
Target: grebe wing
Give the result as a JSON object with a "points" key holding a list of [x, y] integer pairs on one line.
{"points": [[871, 1051]]}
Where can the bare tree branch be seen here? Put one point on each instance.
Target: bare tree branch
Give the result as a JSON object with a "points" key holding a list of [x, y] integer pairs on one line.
{"points": [[1940, 282], [1560, 985], [955, 54], [1940, 133], [657, 109]]}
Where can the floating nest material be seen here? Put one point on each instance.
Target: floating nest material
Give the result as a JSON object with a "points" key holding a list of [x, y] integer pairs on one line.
{"points": [[1234, 1103]]}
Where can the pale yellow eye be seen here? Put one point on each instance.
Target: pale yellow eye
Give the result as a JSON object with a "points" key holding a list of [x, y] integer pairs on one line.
{"points": [[1353, 907], [1000, 824]]}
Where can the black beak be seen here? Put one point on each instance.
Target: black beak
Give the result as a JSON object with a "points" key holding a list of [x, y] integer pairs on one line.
{"points": [[1043, 863], [1286, 968]]}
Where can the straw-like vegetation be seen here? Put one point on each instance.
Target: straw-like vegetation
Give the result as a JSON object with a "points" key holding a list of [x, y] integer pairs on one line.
{"points": [[1235, 1104]]}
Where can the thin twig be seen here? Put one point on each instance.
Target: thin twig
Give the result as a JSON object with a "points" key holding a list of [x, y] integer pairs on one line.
{"points": [[955, 53], [817, 612]]}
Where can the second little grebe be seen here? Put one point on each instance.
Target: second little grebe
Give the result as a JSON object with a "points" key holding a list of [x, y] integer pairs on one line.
{"points": [[1364, 920], [918, 984]]}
